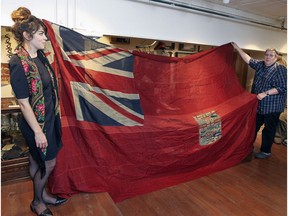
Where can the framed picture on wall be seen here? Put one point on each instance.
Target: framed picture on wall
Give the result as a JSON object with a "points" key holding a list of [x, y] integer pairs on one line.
{"points": [[169, 46], [5, 74], [187, 47], [182, 54], [119, 40]]}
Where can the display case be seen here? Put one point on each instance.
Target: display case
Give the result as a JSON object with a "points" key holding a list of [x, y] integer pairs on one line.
{"points": [[14, 150]]}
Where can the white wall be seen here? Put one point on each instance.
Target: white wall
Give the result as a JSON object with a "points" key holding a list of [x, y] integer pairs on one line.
{"points": [[143, 19]]}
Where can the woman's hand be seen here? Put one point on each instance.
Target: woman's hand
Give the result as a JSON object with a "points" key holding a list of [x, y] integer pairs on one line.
{"points": [[39, 136], [40, 139]]}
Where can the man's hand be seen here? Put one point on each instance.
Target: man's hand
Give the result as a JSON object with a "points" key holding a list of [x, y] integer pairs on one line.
{"points": [[261, 96]]}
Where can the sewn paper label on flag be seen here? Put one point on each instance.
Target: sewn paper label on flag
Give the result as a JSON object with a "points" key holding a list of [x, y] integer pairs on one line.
{"points": [[209, 127]]}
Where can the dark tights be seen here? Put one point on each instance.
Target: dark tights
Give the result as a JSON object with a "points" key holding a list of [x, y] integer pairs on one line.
{"points": [[40, 194]]}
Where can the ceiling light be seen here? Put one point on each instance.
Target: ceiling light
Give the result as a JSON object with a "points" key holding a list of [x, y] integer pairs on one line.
{"points": [[226, 1]]}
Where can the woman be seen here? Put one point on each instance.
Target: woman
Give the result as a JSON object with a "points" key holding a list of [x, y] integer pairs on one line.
{"points": [[270, 86], [35, 86]]}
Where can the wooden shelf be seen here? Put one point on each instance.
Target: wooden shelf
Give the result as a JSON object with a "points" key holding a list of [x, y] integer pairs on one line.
{"points": [[10, 110], [13, 170]]}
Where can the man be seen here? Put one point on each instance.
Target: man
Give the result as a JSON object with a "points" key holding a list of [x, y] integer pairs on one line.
{"points": [[269, 85]]}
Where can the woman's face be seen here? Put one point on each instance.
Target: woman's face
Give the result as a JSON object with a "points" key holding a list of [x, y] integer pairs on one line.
{"points": [[39, 39], [270, 57]]}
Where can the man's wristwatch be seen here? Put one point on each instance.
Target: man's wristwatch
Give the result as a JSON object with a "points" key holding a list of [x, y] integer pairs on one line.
{"points": [[267, 93]]}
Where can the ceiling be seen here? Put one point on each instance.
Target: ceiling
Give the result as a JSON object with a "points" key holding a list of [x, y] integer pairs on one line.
{"points": [[274, 9]]}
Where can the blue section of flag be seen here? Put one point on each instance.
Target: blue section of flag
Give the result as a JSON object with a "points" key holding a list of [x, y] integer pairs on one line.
{"points": [[132, 104], [110, 108], [73, 41], [92, 114], [126, 64]]}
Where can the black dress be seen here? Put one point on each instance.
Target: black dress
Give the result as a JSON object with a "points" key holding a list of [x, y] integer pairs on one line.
{"points": [[20, 87]]}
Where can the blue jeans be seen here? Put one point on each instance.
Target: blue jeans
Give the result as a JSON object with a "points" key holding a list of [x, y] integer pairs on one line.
{"points": [[270, 122]]}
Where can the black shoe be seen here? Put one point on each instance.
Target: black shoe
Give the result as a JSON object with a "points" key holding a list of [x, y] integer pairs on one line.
{"points": [[46, 212], [262, 155], [59, 201]]}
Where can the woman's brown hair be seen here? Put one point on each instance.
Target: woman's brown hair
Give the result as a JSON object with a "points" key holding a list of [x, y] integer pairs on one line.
{"points": [[25, 22]]}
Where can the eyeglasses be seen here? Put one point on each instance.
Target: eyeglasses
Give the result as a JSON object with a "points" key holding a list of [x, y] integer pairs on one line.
{"points": [[269, 55]]}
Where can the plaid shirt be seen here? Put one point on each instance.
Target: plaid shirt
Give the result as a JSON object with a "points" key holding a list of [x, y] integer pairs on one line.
{"points": [[266, 78]]}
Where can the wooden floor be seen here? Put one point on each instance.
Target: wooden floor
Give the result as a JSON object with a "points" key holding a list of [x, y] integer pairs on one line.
{"points": [[258, 187]]}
